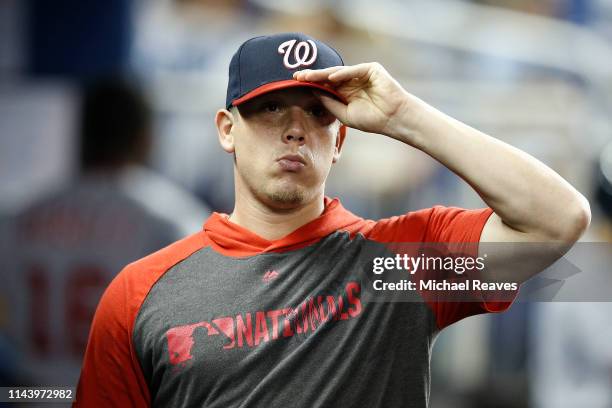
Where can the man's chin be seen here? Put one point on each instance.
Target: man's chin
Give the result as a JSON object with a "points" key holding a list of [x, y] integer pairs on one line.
{"points": [[287, 198]]}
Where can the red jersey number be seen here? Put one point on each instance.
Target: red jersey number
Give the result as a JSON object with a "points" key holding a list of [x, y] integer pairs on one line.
{"points": [[81, 291]]}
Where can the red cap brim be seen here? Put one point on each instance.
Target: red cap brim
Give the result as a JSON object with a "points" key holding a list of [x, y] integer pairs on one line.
{"points": [[289, 83]]}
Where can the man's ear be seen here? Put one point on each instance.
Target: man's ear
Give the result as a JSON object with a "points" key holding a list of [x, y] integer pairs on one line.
{"points": [[225, 121], [339, 143]]}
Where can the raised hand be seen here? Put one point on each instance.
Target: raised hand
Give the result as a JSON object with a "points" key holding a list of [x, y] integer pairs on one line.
{"points": [[374, 98]]}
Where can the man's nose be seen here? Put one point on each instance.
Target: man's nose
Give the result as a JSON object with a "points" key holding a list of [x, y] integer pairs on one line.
{"points": [[295, 131]]}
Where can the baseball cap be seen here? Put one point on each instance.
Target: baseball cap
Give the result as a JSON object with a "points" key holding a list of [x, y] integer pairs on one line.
{"points": [[267, 63]]}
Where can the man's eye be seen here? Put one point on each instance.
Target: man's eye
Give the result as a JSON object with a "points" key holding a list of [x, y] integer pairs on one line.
{"points": [[318, 111], [271, 107]]}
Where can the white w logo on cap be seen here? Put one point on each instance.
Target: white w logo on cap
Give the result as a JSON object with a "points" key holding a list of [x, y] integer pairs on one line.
{"points": [[305, 53]]}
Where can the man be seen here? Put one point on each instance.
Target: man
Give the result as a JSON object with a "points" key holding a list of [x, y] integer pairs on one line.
{"points": [[67, 247], [263, 308]]}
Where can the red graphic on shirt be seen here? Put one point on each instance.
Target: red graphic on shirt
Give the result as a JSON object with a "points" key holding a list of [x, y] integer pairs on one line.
{"points": [[269, 276], [253, 328], [180, 340]]}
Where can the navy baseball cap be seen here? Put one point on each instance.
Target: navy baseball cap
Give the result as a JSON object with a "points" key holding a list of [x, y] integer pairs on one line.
{"points": [[267, 63]]}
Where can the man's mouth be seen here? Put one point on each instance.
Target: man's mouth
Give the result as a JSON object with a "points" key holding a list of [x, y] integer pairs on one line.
{"points": [[291, 162]]}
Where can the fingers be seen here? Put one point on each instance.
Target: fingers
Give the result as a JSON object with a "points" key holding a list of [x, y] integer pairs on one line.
{"points": [[334, 74], [334, 106], [315, 75], [353, 71]]}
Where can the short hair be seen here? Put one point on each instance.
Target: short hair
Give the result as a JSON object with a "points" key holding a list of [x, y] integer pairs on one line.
{"points": [[115, 122]]}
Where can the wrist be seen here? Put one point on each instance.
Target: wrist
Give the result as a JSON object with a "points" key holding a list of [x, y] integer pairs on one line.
{"points": [[408, 121]]}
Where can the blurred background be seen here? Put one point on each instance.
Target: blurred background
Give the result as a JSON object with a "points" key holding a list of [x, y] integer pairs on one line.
{"points": [[108, 151]]}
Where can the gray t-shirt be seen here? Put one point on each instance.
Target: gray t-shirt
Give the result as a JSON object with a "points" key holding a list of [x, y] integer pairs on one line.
{"points": [[226, 318]]}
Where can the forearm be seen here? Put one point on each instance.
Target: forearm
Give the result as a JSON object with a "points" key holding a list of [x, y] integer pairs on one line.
{"points": [[526, 194]]}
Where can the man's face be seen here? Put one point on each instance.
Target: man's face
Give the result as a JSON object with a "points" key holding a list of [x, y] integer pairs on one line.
{"points": [[284, 144]]}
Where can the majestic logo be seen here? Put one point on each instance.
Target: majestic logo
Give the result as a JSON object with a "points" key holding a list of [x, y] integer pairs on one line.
{"points": [[304, 53], [269, 276]]}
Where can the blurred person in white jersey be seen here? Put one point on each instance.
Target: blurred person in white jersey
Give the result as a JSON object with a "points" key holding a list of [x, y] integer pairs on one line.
{"points": [[67, 247]]}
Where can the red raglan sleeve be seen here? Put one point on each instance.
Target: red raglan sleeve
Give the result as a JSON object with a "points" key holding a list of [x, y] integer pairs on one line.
{"points": [[439, 224], [111, 375], [458, 225], [436, 224], [453, 224]]}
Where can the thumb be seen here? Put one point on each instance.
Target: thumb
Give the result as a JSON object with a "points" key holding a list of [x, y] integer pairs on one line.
{"points": [[337, 108]]}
